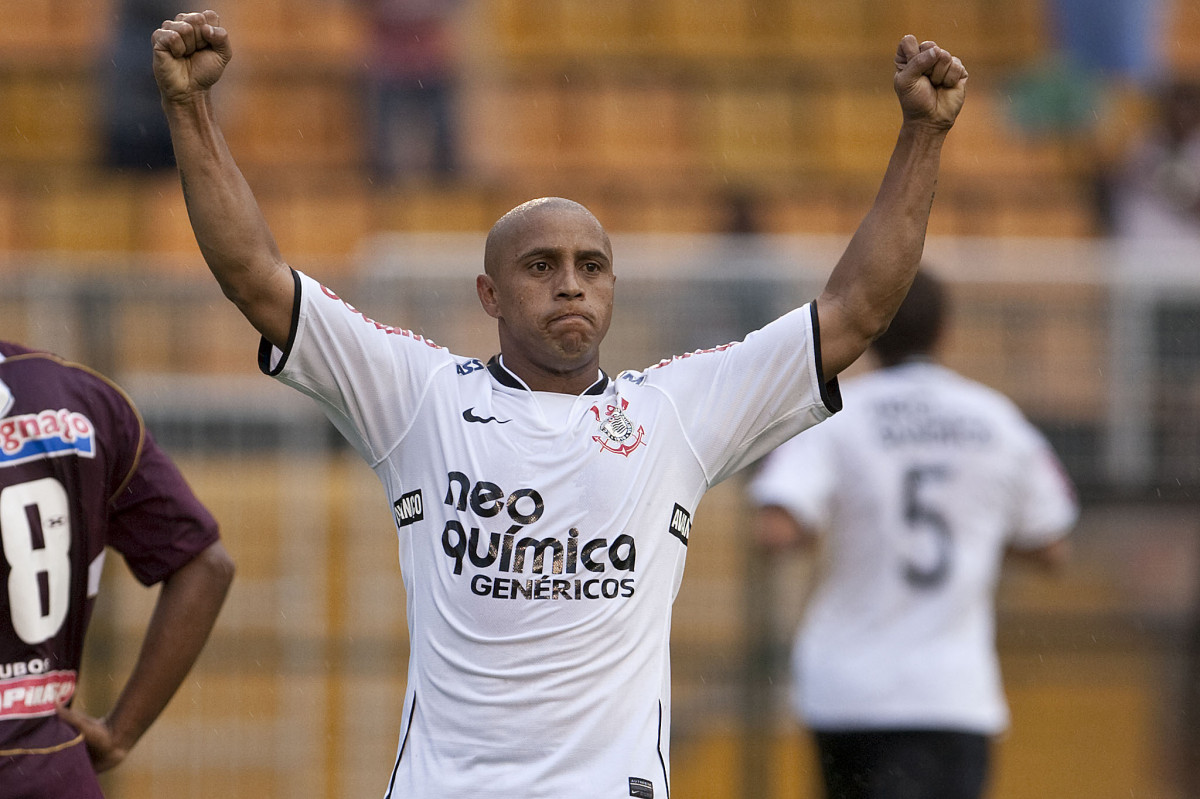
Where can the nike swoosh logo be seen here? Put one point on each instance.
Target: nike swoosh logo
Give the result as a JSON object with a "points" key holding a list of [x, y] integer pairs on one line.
{"points": [[469, 416]]}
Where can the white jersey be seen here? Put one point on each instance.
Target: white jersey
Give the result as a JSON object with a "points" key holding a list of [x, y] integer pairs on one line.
{"points": [[542, 537], [917, 487]]}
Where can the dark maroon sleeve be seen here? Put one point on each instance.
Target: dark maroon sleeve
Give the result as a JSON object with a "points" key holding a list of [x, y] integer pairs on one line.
{"points": [[157, 523]]}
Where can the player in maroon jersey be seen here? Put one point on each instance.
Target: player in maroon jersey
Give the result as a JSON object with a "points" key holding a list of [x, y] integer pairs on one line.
{"points": [[79, 473]]}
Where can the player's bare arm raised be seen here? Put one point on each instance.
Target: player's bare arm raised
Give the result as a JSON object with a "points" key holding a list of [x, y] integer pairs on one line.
{"points": [[190, 55], [873, 274]]}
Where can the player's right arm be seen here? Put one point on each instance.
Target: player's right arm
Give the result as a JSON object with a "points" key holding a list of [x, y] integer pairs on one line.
{"points": [[190, 54]]}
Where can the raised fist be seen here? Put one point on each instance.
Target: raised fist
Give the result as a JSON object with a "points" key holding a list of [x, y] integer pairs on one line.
{"points": [[190, 53]]}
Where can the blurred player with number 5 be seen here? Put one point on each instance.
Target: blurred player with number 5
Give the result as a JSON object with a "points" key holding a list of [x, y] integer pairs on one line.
{"points": [[917, 491]]}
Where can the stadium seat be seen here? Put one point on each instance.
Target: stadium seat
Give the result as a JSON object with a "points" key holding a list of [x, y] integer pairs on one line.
{"points": [[48, 118]]}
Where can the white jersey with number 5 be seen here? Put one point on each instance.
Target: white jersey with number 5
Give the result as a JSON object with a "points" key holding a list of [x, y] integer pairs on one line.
{"points": [[917, 488], [542, 537]]}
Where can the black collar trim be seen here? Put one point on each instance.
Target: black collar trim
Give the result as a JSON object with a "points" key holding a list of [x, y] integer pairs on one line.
{"points": [[507, 378]]}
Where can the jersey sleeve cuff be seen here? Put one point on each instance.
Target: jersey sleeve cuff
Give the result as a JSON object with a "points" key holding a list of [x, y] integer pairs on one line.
{"points": [[831, 392], [266, 350]]}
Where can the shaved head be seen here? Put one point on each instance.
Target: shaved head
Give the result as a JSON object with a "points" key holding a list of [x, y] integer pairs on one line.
{"points": [[548, 282], [524, 216]]}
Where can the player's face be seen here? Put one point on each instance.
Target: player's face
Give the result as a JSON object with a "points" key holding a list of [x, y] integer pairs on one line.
{"points": [[550, 288]]}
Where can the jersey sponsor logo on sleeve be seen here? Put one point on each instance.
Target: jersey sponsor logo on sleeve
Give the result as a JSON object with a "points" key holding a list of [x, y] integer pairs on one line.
{"points": [[27, 690], [470, 366], [46, 434], [409, 509], [637, 378], [681, 523], [617, 433]]}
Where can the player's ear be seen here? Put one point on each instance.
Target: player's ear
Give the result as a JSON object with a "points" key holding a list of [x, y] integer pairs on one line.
{"points": [[488, 296]]}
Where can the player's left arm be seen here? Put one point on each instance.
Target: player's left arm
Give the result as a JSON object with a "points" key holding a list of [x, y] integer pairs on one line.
{"points": [[1046, 507], [187, 608], [873, 275]]}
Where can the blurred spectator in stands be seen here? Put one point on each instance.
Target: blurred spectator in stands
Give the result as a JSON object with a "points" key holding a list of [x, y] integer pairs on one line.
{"points": [[135, 131], [1156, 192], [1116, 39], [1103, 54], [411, 88], [1095, 46]]}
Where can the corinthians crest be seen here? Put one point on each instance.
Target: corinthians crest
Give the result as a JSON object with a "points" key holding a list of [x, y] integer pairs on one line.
{"points": [[617, 433]]}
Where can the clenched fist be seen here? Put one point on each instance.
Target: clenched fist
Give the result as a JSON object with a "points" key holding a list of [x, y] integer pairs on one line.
{"points": [[930, 82], [190, 53]]}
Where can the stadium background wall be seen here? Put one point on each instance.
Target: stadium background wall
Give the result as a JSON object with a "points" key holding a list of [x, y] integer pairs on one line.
{"points": [[660, 115]]}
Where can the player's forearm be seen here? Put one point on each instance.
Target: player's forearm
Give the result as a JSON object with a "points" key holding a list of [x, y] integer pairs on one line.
{"points": [[185, 613], [229, 226], [874, 272]]}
